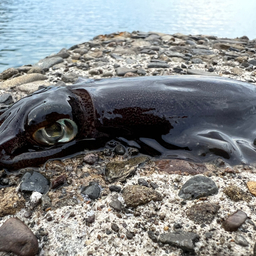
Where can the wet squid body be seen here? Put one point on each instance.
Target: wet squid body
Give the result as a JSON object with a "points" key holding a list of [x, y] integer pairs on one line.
{"points": [[186, 117]]}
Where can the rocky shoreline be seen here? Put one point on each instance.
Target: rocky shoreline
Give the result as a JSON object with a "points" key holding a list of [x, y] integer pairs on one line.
{"points": [[115, 201]]}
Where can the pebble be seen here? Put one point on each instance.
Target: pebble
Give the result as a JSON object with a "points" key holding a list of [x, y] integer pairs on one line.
{"points": [[16, 237], [123, 70], [252, 187], [92, 190], [114, 188], [198, 186], [59, 181], [236, 194], [34, 181], [234, 221], [91, 158], [239, 239], [116, 205]]}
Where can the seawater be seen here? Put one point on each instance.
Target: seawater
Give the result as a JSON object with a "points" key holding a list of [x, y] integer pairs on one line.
{"points": [[32, 29]]}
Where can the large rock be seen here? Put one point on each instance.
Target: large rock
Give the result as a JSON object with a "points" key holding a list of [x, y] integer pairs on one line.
{"points": [[16, 237], [48, 62]]}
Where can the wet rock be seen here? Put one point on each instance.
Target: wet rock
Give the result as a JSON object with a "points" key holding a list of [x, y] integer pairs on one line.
{"points": [[198, 186], [135, 195], [202, 213], [91, 158], [158, 65], [8, 73], [116, 204], [236, 194], [16, 237], [46, 63], [22, 80], [32, 87], [92, 191], [120, 150], [119, 171], [59, 181], [10, 202], [239, 239], [184, 240], [34, 181], [252, 187], [114, 188], [174, 166], [123, 70], [234, 221], [6, 99]]}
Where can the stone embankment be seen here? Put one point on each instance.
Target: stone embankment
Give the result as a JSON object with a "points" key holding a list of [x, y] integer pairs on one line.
{"points": [[116, 202]]}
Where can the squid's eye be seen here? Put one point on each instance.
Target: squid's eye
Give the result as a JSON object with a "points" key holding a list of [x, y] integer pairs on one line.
{"points": [[63, 130]]}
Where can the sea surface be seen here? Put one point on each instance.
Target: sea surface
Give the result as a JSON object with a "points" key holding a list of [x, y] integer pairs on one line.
{"points": [[32, 29]]}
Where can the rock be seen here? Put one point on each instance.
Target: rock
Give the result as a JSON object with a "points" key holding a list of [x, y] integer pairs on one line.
{"points": [[116, 204], [180, 167], [129, 235], [158, 65], [252, 62], [90, 219], [59, 181], [184, 240], [239, 239], [202, 213], [70, 78], [114, 188], [143, 182], [34, 181], [201, 52], [92, 191], [32, 87], [119, 150], [114, 227], [22, 80], [252, 187], [234, 221], [16, 237], [200, 72], [6, 99], [35, 198], [10, 202], [46, 63], [237, 71], [152, 236], [119, 171], [135, 195], [123, 70], [197, 61], [198, 186], [174, 54], [91, 158], [63, 53], [236, 194], [8, 73], [36, 70], [92, 54]]}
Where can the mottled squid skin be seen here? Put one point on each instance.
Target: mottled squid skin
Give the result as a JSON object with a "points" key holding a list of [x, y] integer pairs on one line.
{"points": [[186, 117]]}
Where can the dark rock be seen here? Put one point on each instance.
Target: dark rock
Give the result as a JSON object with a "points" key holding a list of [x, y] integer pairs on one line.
{"points": [[34, 181], [158, 65], [239, 239], [143, 182], [177, 226], [236, 194], [198, 186], [129, 235], [119, 171], [60, 180], [120, 150], [152, 236], [201, 52], [16, 237], [46, 63], [180, 167], [114, 188], [116, 204], [203, 213], [114, 227], [252, 62], [90, 219], [123, 70], [116, 56], [91, 158], [8, 73], [153, 185], [63, 53], [234, 221], [184, 240], [92, 191], [6, 99], [141, 72], [135, 195]]}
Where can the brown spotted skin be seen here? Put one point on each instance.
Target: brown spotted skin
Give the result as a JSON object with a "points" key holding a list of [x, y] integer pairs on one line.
{"points": [[185, 117]]}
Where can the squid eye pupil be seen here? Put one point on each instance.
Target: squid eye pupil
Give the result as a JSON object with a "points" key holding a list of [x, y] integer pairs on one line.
{"points": [[63, 130]]}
